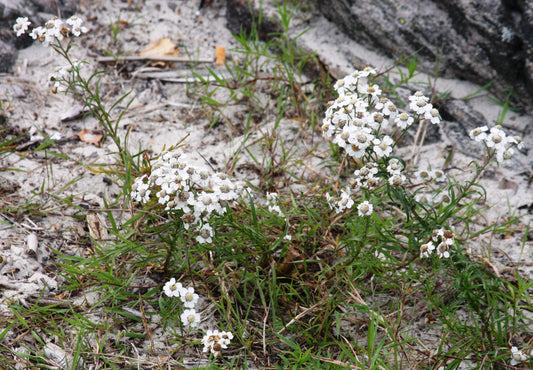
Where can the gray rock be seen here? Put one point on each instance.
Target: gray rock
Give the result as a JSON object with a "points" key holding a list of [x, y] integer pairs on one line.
{"points": [[476, 40]]}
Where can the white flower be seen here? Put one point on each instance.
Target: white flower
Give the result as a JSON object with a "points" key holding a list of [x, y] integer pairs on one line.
{"points": [[38, 33], [433, 116], [390, 110], [367, 71], [403, 120], [372, 90], [420, 104], [190, 318], [479, 133], [426, 249], [189, 219], [225, 190], [141, 191], [504, 155], [396, 179], [394, 166], [383, 147], [189, 297], [207, 202], [442, 250], [496, 137], [517, 356], [21, 26], [172, 289], [365, 208], [439, 233], [344, 202], [423, 176], [205, 234]]}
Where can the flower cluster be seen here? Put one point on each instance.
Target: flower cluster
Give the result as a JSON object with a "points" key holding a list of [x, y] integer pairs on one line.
{"points": [[497, 141], [273, 206], [194, 192], [215, 341], [444, 239], [189, 317], [357, 119], [53, 31]]}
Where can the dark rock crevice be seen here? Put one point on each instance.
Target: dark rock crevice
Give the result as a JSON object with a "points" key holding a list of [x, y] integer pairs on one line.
{"points": [[479, 41]]}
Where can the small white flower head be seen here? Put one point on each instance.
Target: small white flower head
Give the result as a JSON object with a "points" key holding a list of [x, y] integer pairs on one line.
{"points": [[208, 203], [443, 250], [365, 208], [479, 133], [439, 233], [390, 110], [345, 201], [172, 288], [189, 297], [205, 234], [496, 137], [141, 190], [433, 115], [383, 147], [287, 237], [503, 155], [372, 90], [190, 318], [394, 166], [403, 120], [420, 104], [189, 219], [426, 249], [517, 141], [377, 121], [517, 356], [367, 71], [396, 180], [38, 33], [225, 190], [423, 176], [21, 25]]}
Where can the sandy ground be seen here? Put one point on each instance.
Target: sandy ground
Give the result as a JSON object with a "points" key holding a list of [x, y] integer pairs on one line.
{"points": [[163, 113]]}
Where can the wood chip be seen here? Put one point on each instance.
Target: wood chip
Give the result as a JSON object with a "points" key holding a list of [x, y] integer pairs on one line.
{"points": [[220, 55]]}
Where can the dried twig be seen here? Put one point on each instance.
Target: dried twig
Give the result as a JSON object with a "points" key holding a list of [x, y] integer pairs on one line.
{"points": [[129, 58]]}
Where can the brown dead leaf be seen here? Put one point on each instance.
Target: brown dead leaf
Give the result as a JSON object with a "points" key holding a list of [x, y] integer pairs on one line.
{"points": [[97, 228], [220, 52], [91, 137], [287, 265], [160, 48]]}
